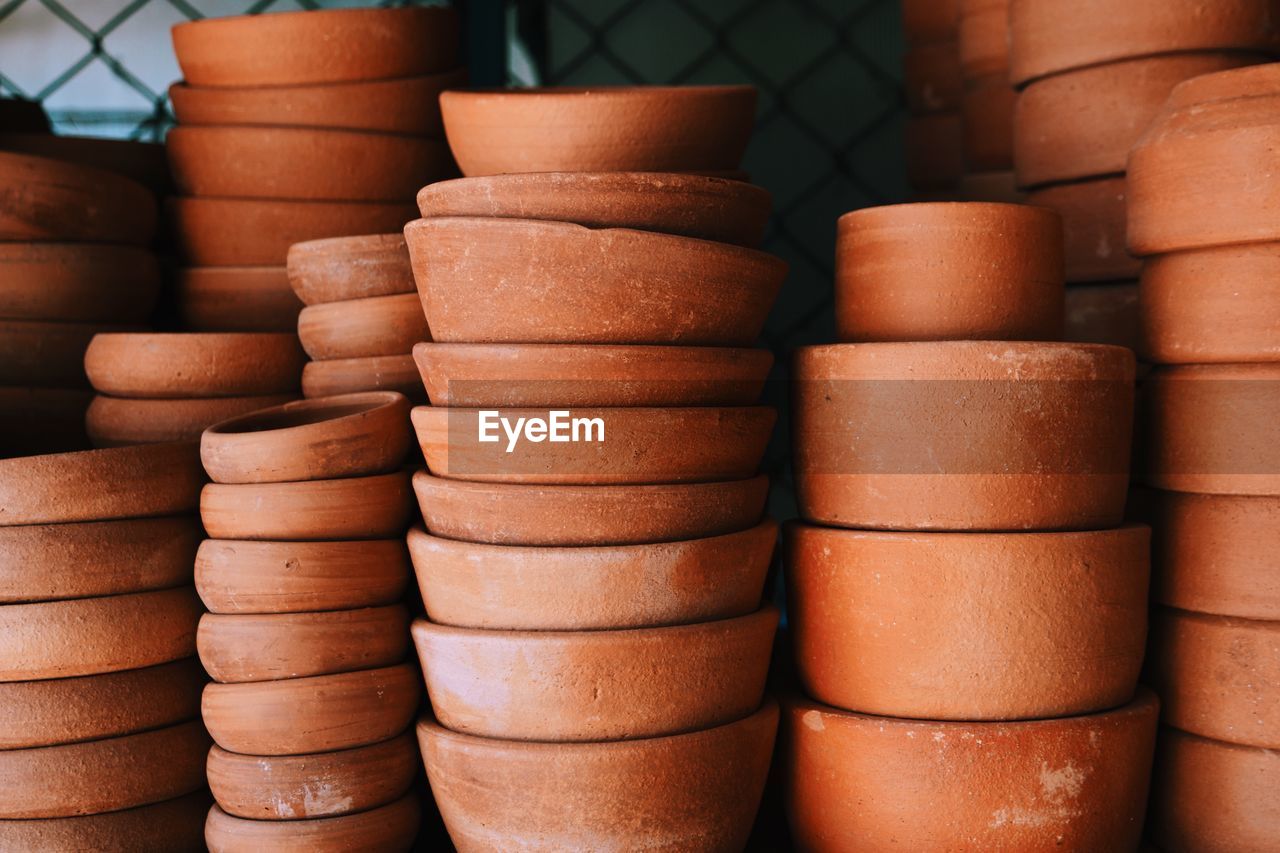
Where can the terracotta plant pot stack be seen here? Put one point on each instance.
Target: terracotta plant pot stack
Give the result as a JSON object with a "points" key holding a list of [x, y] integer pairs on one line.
{"points": [[931, 76], [1204, 217], [1091, 76], [306, 638], [969, 612], [987, 104], [101, 744]]}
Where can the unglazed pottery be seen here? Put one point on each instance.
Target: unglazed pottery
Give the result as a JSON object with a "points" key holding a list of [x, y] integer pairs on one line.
{"points": [[925, 21], [373, 507], [963, 435], [338, 269], [983, 33], [142, 162], [558, 282], [987, 111], [55, 201], [236, 299], [625, 795], [353, 375], [361, 328], [938, 271], [40, 354], [175, 824], [187, 364], [77, 283], [1093, 224], [931, 77], [392, 828], [1105, 313], [934, 150], [116, 421], [505, 514]]}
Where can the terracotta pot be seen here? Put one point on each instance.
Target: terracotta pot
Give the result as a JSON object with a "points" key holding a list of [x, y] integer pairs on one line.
{"points": [[726, 211], [323, 713], [934, 150], [391, 828], [984, 38], [1093, 224], [994, 272], [930, 20], [1211, 428], [171, 825], [313, 786], [72, 283], [143, 162], [1103, 314], [999, 187], [931, 77], [102, 775], [406, 105], [45, 562], [599, 129], [504, 514], [361, 328], [963, 435], [988, 125], [555, 281], [374, 507], [117, 421], [1033, 625], [354, 375], [124, 482], [231, 232], [338, 45], [236, 299], [1212, 305], [36, 353], [42, 420], [347, 436], [602, 796], [56, 201], [860, 782], [339, 269], [1081, 124], [184, 364]]}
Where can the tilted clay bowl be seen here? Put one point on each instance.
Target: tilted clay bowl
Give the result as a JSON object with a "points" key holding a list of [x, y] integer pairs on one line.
{"points": [[599, 129], [335, 45], [346, 436], [860, 782], [931, 77], [297, 716], [1033, 625], [374, 507], [36, 354], [591, 588], [1093, 224], [392, 828], [61, 202], [236, 299], [338, 269], [567, 375], [176, 824], [505, 514], [939, 271], [963, 435], [925, 21], [353, 375], [987, 111], [556, 282], [74, 283], [623, 795], [116, 421], [933, 147], [239, 576], [142, 162], [360, 328], [194, 364], [983, 39], [687, 205], [1104, 313]]}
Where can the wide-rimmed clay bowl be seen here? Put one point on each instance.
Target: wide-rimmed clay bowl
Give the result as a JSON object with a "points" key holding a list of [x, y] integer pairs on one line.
{"points": [[65, 202], [338, 269], [236, 299], [40, 354], [176, 824], [75, 283], [392, 828], [117, 421], [374, 507], [193, 364], [361, 328], [1093, 224], [143, 162], [353, 375], [556, 282]]}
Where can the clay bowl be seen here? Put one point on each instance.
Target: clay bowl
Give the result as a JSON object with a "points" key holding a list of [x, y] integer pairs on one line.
{"points": [[236, 576], [392, 828], [987, 111], [556, 280], [407, 105], [860, 782], [284, 787], [931, 77], [175, 824], [686, 205], [34, 353], [56, 201], [124, 482], [556, 375], [983, 38], [1034, 625], [47, 562], [143, 162], [334, 46], [271, 646], [186, 364], [42, 420], [354, 375], [374, 507], [602, 796], [934, 151], [361, 328], [323, 713], [1106, 313], [504, 514], [231, 232], [347, 436], [942, 271], [599, 129], [1093, 224], [627, 446], [926, 21], [236, 299], [600, 588], [117, 421], [71, 283], [339, 269], [963, 435]]}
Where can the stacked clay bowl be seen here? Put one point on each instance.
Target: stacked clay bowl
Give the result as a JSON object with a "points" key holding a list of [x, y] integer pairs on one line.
{"points": [[74, 263], [931, 77], [965, 602], [1204, 218], [101, 744], [306, 637], [987, 102], [1091, 76]]}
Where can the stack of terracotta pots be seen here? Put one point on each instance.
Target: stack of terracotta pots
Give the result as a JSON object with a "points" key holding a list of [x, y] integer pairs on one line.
{"points": [[931, 76], [1092, 75], [101, 745], [987, 106], [969, 612], [1205, 215], [306, 639]]}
